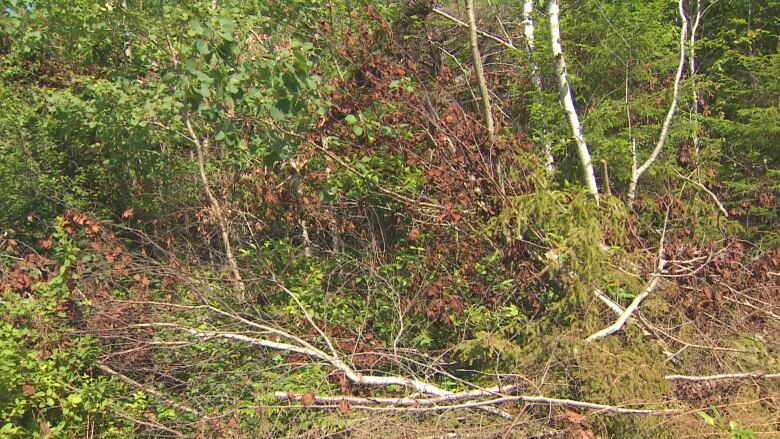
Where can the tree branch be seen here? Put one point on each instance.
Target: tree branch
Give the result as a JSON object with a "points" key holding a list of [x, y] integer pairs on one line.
{"points": [[461, 23], [654, 278], [435, 404], [148, 390], [238, 283]]}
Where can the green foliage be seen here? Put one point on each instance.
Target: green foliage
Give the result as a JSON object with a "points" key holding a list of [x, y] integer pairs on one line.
{"points": [[731, 428], [340, 120], [570, 229], [46, 387]]}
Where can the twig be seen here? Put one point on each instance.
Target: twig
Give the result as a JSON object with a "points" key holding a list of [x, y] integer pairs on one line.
{"points": [[308, 316], [709, 192], [153, 425]]}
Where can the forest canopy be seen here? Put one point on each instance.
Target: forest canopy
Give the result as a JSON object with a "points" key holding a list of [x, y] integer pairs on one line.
{"points": [[375, 218]]}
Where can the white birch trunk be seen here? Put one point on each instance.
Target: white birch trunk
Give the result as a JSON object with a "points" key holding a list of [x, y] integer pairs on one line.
{"points": [[567, 101], [536, 77], [530, 41], [636, 172]]}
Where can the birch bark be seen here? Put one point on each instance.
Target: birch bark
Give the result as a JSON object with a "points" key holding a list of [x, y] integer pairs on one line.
{"points": [[536, 77], [564, 94]]}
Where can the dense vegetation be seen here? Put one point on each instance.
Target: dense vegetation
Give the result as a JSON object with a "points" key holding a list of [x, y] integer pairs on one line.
{"points": [[312, 218]]}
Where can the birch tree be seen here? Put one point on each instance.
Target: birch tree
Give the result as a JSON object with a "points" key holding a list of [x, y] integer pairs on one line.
{"points": [[567, 101], [637, 171], [536, 77]]}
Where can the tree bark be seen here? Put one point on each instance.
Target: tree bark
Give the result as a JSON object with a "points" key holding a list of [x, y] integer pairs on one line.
{"points": [[567, 101]]}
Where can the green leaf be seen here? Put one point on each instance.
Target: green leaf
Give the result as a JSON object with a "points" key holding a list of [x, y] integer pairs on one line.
{"points": [[75, 398], [228, 26], [204, 90], [350, 119], [202, 46], [357, 130], [709, 420], [276, 113]]}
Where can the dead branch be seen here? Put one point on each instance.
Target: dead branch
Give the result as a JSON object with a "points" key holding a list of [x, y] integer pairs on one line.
{"points": [[654, 278], [307, 349], [441, 399], [619, 310], [461, 23], [149, 424], [724, 376], [434, 404], [709, 192]]}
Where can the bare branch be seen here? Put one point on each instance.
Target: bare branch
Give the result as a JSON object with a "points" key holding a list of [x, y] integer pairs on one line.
{"points": [[351, 374], [709, 192], [724, 376], [148, 390], [654, 278], [461, 23], [435, 404]]}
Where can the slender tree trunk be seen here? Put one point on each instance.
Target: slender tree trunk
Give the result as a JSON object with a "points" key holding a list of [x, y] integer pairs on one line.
{"points": [[487, 114], [530, 41], [536, 77], [238, 283], [567, 101], [335, 236], [636, 172]]}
